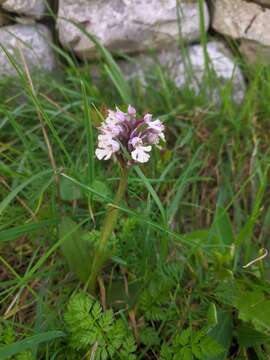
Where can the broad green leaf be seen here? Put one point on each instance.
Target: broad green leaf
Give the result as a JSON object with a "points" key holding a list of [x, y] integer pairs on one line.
{"points": [[210, 347], [76, 248], [223, 226], [247, 336], [89, 189], [197, 235], [101, 188], [253, 306], [68, 190], [222, 333]]}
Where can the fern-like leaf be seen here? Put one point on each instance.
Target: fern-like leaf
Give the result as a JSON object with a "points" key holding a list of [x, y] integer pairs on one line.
{"points": [[90, 327]]}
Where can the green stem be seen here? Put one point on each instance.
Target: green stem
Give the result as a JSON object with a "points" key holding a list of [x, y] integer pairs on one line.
{"points": [[101, 254]]}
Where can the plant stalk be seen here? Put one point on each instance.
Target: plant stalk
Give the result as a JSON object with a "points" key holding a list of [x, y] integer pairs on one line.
{"points": [[101, 254]]}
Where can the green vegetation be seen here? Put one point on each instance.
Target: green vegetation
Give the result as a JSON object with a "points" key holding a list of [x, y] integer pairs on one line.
{"points": [[175, 285]]}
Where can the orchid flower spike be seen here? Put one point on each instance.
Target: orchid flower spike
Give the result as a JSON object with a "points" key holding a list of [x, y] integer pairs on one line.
{"points": [[122, 133]]}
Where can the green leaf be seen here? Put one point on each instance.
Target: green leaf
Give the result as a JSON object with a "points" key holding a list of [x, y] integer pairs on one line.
{"points": [[20, 346], [184, 337], [87, 325], [26, 355], [222, 226], [149, 336], [76, 248], [68, 190], [255, 307], [210, 347], [247, 336], [87, 188], [185, 354], [101, 188], [222, 333], [196, 350]]}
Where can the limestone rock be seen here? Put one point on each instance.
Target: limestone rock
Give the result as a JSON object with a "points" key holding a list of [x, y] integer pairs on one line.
{"points": [[255, 52], [240, 19], [265, 3], [127, 25], [192, 73], [31, 8], [33, 41]]}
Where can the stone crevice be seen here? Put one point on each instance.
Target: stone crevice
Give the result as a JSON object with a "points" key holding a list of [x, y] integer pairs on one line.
{"points": [[251, 23]]}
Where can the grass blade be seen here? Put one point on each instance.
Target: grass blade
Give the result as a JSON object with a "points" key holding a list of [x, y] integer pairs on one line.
{"points": [[19, 188], [152, 192], [15, 232], [89, 137], [111, 66], [20, 346]]}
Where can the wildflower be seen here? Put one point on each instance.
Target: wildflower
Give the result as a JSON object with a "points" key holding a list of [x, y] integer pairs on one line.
{"points": [[123, 133], [107, 146], [140, 152]]}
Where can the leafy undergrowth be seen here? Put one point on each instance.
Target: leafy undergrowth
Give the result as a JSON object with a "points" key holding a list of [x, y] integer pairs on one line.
{"points": [[176, 285]]}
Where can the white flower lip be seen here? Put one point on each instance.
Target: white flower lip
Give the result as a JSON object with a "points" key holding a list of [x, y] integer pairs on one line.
{"points": [[107, 148], [140, 152], [125, 131]]}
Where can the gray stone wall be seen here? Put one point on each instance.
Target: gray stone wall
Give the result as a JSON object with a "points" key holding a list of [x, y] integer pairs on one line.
{"points": [[248, 22], [136, 26], [131, 26], [25, 37]]}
